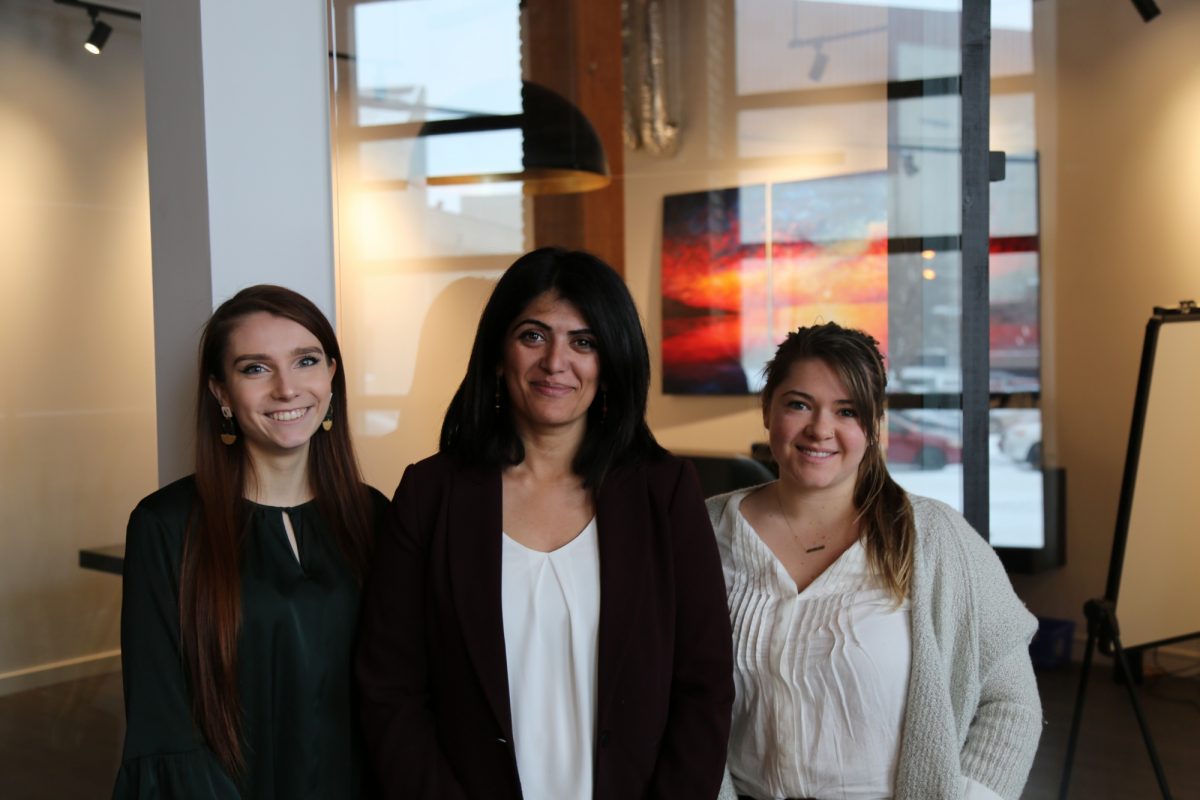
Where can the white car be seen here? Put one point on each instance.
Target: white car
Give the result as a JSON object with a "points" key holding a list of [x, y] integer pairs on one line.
{"points": [[1022, 441], [930, 380]]}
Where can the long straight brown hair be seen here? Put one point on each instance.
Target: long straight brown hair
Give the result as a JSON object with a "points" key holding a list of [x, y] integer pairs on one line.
{"points": [[885, 516], [210, 583]]}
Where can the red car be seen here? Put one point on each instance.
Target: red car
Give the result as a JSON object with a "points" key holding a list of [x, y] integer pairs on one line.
{"points": [[908, 442]]}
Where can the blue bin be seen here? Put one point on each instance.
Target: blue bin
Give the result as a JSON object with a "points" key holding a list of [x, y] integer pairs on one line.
{"points": [[1051, 645]]}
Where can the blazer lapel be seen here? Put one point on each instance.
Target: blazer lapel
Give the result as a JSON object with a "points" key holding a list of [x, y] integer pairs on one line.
{"points": [[474, 545], [623, 517]]}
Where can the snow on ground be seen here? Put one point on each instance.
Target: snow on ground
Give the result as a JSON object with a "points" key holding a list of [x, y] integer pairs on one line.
{"points": [[1016, 495]]}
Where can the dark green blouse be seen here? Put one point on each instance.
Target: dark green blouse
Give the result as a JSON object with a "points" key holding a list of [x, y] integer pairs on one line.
{"points": [[299, 734]]}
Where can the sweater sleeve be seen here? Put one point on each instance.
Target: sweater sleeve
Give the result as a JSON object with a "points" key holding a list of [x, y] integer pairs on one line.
{"points": [[1004, 731], [164, 754]]}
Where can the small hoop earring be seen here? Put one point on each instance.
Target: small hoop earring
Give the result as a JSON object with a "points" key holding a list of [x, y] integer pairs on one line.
{"points": [[228, 426]]}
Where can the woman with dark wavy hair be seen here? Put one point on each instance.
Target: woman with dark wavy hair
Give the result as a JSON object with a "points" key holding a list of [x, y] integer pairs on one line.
{"points": [[242, 581], [548, 621], [881, 651]]}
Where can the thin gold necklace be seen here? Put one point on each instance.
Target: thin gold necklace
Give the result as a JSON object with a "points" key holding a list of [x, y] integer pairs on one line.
{"points": [[791, 530]]}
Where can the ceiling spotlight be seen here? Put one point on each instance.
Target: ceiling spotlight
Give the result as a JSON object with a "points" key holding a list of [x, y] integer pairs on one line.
{"points": [[100, 30], [99, 35], [1147, 8], [820, 62]]}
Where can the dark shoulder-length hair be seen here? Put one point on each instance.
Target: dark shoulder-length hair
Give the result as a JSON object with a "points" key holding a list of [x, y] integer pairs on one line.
{"points": [[478, 427], [886, 524], [210, 583]]}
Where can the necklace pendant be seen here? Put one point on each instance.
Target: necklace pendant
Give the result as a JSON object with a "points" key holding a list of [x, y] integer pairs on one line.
{"points": [[815, 549]]}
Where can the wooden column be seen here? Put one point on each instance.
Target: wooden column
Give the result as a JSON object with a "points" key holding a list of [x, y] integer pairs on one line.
{"points": [[573, 47]]}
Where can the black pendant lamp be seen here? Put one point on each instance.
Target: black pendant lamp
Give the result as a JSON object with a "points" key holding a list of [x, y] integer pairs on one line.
{"points": [[561, 152]]}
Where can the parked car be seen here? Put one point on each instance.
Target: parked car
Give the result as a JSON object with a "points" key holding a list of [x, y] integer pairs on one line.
{"points": [[932, 372], [1022, 441], [930, 380], [908, 442], [1004, 382]]}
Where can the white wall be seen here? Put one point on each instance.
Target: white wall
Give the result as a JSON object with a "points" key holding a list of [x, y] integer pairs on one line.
{"points": [[77, 394], [1126, 174]]}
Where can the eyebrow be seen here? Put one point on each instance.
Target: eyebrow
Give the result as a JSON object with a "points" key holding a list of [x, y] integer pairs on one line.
{"points": [[807, 396], [299, 351], [538, 323]]}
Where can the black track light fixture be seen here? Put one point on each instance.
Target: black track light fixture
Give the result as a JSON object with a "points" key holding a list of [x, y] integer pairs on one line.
{"points": [[1147, 8], [819, 63], [101, 30], [99, 35]]}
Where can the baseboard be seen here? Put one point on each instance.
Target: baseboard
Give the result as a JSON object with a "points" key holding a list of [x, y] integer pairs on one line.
{"points": [[70, 669], [1172, 657], [1175, 657]]}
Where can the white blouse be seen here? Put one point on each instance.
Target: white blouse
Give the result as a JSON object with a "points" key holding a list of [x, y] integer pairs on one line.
{"points": [[821, 675], [551, 611]]}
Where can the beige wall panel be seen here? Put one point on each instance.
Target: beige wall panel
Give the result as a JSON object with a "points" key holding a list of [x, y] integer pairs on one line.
{"points": [[1125, 176], [77, 442]]}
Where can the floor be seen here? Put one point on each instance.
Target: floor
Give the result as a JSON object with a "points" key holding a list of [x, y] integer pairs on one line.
{"points": [[63, 742]]}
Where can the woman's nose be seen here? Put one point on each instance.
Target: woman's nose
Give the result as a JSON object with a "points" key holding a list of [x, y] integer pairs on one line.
{"points": [[283, 386], [819, 427], [554, 357]]}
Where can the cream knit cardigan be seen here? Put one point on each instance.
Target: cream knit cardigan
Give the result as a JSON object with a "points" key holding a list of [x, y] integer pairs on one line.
{"points": [[973, 708]]}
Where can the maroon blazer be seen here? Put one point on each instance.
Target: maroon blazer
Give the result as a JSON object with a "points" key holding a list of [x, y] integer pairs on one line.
{"points": [[431, 665]]}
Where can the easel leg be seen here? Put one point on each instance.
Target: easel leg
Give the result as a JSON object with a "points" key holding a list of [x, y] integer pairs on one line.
{"points": [[1077, 716], [1137, 710], [1102, 625]]}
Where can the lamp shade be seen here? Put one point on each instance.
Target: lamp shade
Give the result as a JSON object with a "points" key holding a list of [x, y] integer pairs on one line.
{"points": [[561, 151]]}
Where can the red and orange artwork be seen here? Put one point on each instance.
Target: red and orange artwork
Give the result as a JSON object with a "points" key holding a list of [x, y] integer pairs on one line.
{"points": [[742, 267]]}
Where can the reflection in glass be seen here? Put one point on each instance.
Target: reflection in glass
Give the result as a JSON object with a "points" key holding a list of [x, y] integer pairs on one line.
{"points": [[416, 261], [923, 448], [924, 454]]}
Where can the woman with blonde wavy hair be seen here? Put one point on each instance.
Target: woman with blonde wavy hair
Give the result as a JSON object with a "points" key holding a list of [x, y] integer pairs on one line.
{"points": [[880, 649]]}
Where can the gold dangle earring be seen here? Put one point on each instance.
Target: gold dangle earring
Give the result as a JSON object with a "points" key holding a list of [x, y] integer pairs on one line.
{"points": [[327, 423], [228, 426]]}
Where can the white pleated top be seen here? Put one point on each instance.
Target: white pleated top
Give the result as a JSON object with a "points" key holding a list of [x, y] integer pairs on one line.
{"points": [[821, 675], [551, 608]]}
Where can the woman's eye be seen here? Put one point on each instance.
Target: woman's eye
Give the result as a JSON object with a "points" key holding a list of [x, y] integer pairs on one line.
{"points": [[253, 369], [308, 361], [531, 335], [797, 405], [585, 344], [849, 413]]}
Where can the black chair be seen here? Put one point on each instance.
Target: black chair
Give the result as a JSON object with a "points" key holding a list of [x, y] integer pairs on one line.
{"points": [[719, 474]]}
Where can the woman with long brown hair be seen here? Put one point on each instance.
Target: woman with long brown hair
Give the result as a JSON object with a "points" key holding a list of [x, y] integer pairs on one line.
{"points": [[880, 649], [242, 581]]}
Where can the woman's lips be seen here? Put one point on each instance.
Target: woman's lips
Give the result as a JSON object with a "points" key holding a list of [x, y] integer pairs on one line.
{"points": [[551, 389]]}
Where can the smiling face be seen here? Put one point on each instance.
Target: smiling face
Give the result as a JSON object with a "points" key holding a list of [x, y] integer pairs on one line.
{"points": [[551, 368], [815, 433], [278, 382]]}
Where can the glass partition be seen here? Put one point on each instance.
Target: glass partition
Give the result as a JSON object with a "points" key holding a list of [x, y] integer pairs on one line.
{"points": [[772, 165]]}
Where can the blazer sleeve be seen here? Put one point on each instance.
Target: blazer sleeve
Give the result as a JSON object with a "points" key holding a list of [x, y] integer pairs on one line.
{"points": [[391, 662], [691, 757], [164, 754]]}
